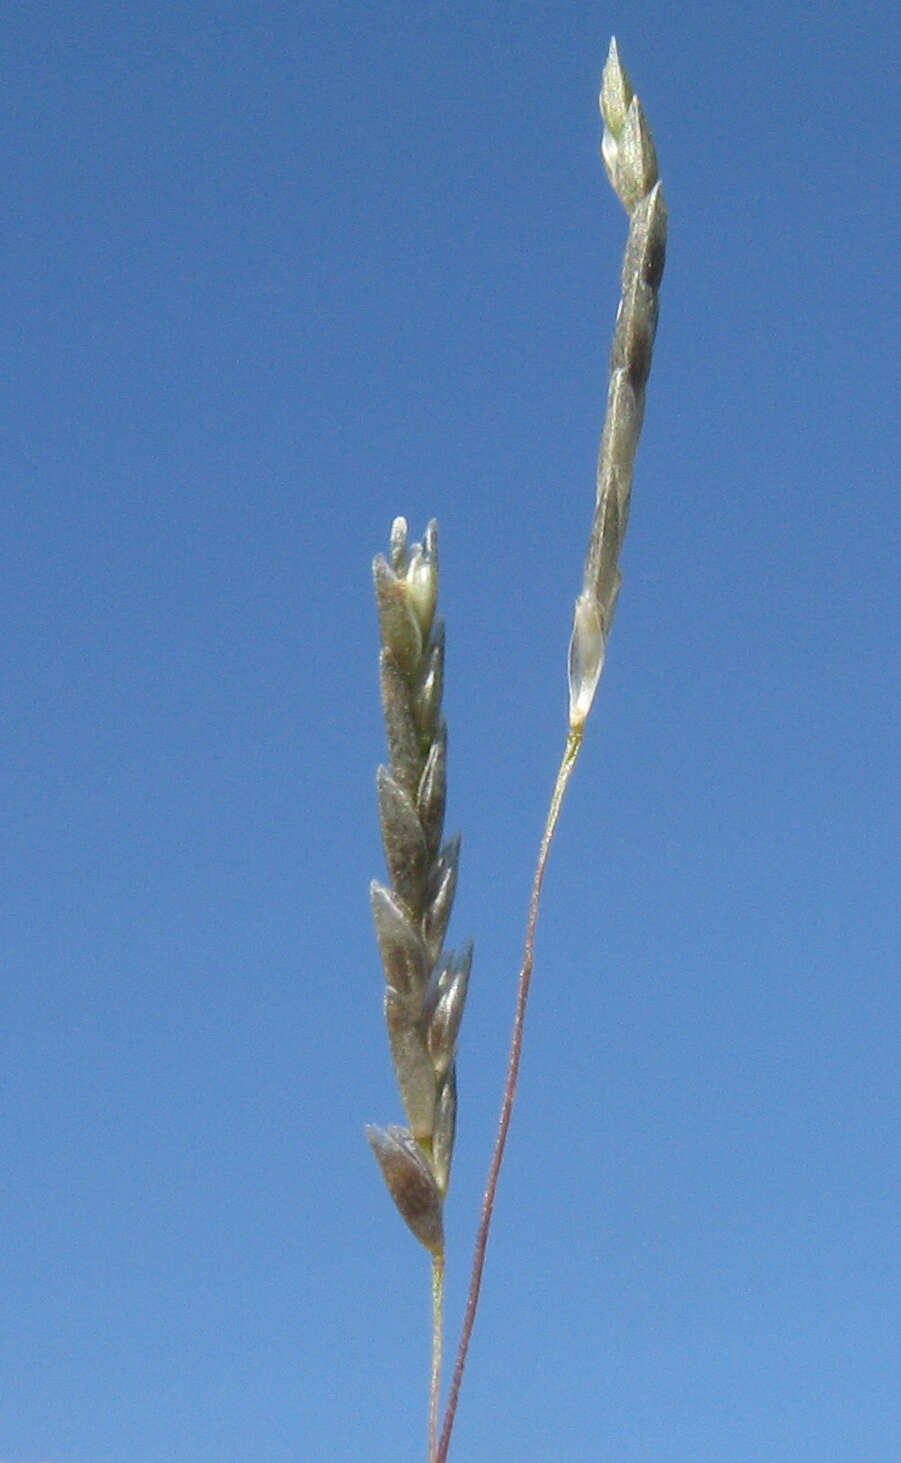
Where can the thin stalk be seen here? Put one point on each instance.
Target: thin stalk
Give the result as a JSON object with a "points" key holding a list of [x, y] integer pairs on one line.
{"points": [[437, 1329], [573, 745]]}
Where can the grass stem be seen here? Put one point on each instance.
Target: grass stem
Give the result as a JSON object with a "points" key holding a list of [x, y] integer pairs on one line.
{"points": [[573, 745], [437, 1330]]}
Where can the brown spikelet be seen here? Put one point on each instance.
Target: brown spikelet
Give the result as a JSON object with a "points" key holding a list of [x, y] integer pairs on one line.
{"points": [[424, 994]]}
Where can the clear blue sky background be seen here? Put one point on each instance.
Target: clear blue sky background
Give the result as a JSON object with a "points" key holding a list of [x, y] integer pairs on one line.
{"points": [[271, 275]]}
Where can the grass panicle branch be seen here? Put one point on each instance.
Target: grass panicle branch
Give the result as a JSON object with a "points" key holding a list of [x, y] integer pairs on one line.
{"points": [[631, 163], [425, 989]]}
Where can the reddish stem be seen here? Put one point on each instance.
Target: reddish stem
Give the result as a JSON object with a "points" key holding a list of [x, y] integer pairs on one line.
{"points": [[574, 742]]}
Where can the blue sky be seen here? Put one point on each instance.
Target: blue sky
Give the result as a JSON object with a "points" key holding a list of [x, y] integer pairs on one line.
{"points": [[272, 275]]}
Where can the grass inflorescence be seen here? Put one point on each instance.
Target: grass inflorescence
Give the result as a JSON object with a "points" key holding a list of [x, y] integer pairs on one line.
{"points": [[426, 989]]}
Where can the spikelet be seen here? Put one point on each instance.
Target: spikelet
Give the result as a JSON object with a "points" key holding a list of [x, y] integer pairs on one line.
{"points": [[425, 991], [631, 163]]}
